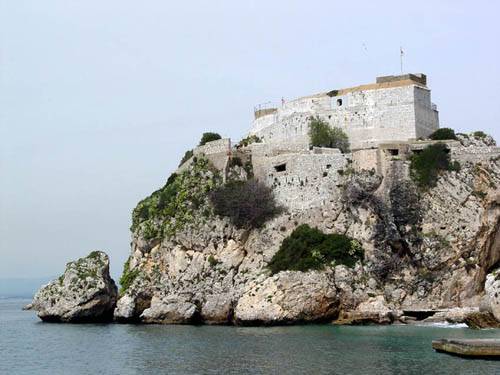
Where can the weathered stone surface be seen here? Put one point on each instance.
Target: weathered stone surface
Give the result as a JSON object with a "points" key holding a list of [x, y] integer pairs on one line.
{"points": [[217, 309], [469, 347], [289, 297], [481, 319], [84, 293], [363, 318], [424, 250], [492, 294], [29, 306], [171, 311]]}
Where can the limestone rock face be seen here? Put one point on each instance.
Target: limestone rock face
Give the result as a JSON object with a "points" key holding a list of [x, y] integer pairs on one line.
{"points": [[84, 293], [217, 310], [169, 311], [425, 249], [492, 294], [289, 297]]}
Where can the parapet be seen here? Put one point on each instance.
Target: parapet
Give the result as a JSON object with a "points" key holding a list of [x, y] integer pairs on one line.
{"points": [[417, 77]]}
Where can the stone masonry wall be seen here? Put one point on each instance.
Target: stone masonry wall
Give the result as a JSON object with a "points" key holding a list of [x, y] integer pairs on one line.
{"points": [[214, 147], [367, 116], [300, 180]]}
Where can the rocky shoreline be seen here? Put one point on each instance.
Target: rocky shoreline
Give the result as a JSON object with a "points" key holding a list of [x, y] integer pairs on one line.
{"points": [[429, 255]]}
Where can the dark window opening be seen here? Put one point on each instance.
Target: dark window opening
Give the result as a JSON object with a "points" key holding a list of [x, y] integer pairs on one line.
{"points": [[394, 152], [280, 168], [328, 166], [339, 102]]}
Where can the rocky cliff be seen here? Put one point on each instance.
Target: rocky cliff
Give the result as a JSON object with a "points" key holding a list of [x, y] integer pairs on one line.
{"points": [[84, 293], [427, 251]]}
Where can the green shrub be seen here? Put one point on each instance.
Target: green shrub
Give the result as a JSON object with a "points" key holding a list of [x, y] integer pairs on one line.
{"points": [[249, 140], [213, 262], [236, 161], [247, 203], [322, 135], [171, 207], [186, 157], [127, 278], [443, 134], [310, 249], [427, 165], [209, 137], [480, 134]]}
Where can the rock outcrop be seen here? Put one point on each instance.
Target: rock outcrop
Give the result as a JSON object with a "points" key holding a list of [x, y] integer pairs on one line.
{"points": [[84, 293], [488, 315], [425, 250]]}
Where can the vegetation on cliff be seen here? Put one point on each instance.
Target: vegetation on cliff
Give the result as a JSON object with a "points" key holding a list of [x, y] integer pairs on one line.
{"points": [[173, 206], [128, 277], [427, 165], [322, 135], [249, 140], [248, 204], [443, 134], [209, 137], [310, 249]]}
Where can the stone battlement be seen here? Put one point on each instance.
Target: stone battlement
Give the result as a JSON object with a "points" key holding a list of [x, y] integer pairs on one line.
{"points": [[395, 108]]}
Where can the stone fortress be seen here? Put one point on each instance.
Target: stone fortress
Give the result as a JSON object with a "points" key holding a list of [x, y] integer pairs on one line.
{"points": [[395, 108], [383, 121]]}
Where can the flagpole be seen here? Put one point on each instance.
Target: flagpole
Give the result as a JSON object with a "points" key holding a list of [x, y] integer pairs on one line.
{"points": [[401, 57]]}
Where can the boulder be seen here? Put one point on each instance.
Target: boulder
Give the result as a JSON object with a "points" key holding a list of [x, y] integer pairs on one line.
{"points": [[489, 310], [491, 302], [289, 297], [84, 293], [217, 309], [481, 319], [169, 311]]}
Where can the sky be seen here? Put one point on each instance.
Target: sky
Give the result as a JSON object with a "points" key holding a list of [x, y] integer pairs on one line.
{"points": [[99, 100]]}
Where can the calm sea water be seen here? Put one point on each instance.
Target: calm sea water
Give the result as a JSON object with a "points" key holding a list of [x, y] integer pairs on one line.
{"points": [[28, 346]]}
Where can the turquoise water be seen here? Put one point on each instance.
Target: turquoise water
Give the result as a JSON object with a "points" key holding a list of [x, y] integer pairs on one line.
{"points": [[28, 346]]}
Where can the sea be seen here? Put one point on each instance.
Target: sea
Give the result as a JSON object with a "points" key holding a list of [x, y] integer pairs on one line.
{"points": [[29, 346]]}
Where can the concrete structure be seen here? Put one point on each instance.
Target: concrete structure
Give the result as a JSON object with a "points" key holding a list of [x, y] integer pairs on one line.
{"points": [[472, 348], [395, 108]]}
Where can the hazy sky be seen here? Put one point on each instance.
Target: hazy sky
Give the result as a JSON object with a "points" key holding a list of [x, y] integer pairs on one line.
{"points": [[99, 100]]}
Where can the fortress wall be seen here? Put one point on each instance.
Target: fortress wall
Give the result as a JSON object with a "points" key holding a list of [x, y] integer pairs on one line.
{"points": [[374, 116], [214, 147], [291, 128], [273, 149], [427, 119], [366, 159], [474, 154], [367, 116], [308, 180], [263, 122]]}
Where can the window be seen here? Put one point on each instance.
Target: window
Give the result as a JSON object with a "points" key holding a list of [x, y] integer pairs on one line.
{"points": [[339, 102], [394, 152], [280, 168]]}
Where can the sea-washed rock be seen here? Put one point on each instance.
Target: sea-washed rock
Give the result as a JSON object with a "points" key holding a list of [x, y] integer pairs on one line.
{"points": [[217, 309], [84, 293], [171, 311], [289, 297]]}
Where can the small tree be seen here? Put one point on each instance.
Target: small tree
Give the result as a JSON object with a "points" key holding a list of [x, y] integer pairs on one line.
{"points": [[248, 204], [443, 134], [427, 165], [321, 135], [209, 137]]}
